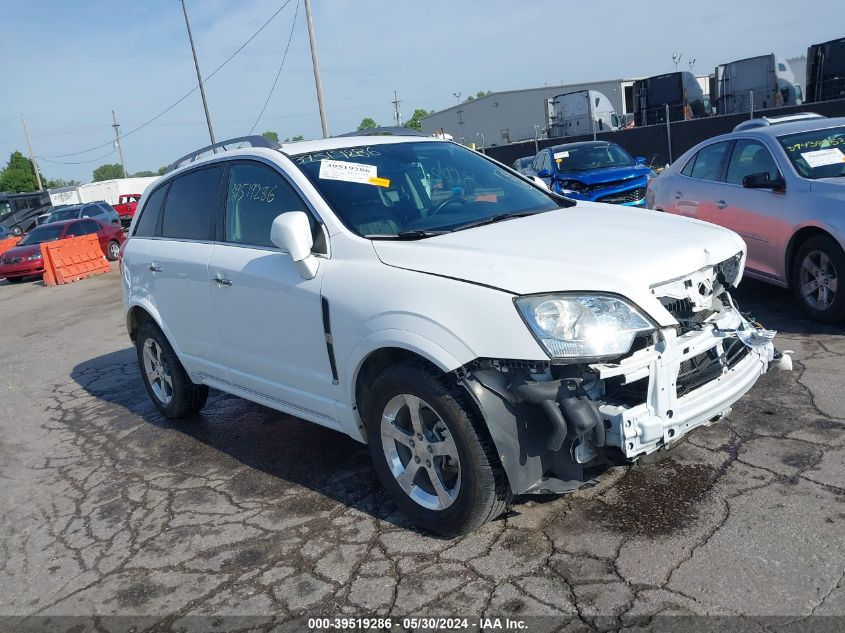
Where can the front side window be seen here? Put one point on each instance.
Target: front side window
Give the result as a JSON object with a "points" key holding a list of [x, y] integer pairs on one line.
{"points": [[76, 229], [750, 157], [708, 162], [404, 189], [818, 153], [150, 213], [190, 205], [64, 214], [256, 194]]}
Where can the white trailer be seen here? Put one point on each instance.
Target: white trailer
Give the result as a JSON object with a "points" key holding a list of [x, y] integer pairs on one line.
{"points": [[582, 112], [108, 190], [755, 84]]}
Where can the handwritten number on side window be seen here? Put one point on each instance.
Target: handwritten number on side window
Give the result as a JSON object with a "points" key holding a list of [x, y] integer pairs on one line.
{"points": [[252, 191]]}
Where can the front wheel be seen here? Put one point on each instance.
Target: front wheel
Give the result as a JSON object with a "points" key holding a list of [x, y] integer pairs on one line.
{"points": [[815, 279], [16, 231], [432, 451], [166, 381]]}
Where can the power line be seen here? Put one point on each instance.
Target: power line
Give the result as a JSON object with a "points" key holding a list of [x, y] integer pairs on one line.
{"points": [[185, 96], [279, 72], [79, 162]]}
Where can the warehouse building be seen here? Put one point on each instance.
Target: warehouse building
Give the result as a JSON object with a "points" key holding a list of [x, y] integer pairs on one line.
{"points": [[516, 115]]}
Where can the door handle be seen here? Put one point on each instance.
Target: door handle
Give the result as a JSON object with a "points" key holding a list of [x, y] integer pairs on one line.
{"points": [[678, 195], [721, 204], [155, 268], [223, 282]]}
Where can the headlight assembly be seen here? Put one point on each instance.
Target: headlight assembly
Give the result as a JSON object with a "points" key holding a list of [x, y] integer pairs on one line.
{"points": [[582, 326], [34, 256], [572, 186]]}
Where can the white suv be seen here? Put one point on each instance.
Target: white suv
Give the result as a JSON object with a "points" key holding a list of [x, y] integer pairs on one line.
{"points": [[484, 336]]}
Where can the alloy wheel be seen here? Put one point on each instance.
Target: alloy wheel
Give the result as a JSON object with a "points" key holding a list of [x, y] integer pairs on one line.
{"points": [[114, 250], [157, 372], [421, 452], [819, 280]]}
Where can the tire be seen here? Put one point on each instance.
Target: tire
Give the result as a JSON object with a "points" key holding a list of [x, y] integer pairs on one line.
{"points": [[16, 231], [112, 251], [818, 267], [14, 280], [474, 488], [172, 391]]}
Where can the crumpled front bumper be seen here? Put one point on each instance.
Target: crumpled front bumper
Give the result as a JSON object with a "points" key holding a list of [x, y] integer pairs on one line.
{"points": [[665, 415]]}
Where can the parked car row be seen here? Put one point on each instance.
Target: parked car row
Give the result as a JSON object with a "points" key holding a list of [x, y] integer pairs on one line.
{"points": [[25, 260], [101, 211]]}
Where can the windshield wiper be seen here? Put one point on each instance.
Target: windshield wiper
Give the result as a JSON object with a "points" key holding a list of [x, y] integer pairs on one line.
{"points": [[414, 234], [497, 218]]}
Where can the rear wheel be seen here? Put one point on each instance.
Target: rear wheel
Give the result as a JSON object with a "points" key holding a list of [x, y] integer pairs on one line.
{"points": [[113, 251], [167, 383], [432, 451], [818, 266]]}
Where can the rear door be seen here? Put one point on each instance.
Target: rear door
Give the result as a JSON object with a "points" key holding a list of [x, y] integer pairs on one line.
{"points": [[178, 264], [692, 190], [270, 319]]}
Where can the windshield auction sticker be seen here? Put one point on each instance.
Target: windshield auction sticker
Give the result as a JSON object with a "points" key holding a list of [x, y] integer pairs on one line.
{"points": [[351, 172], [822, 157]]}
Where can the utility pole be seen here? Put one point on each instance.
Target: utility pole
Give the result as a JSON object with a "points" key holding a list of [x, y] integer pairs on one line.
{"points": [[199, 75], [117, 142], [31, 154], [316, 65], [396, 113]]}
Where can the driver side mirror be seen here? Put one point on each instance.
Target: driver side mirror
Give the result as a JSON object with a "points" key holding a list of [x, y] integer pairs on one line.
{"points": [[543, 173], [639, 160], [762, 181], [291, 232]]}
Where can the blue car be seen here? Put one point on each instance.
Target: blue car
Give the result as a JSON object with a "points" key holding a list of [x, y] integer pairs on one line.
{"points": [[598, 171]]}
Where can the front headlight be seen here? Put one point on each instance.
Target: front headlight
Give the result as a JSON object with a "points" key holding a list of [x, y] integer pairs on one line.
{"points": [[572, 186], [34, 256], [582, 326]]}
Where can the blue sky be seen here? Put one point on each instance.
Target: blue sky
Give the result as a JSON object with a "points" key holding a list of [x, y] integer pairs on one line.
{"points": [[68, 64]]}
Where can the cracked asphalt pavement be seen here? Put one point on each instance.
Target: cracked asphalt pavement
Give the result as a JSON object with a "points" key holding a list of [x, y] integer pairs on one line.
{"points": [[257, 519]]}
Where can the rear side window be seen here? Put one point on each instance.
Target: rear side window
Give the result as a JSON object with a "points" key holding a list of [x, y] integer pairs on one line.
{"points": [[255, 196], [75, 230], [90, 226], [150, 213], [190, 205], [708, 162], [91, 211]]}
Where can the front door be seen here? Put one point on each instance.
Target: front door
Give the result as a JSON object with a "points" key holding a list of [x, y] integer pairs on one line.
{"points": [[756, 214], [269, 318]]}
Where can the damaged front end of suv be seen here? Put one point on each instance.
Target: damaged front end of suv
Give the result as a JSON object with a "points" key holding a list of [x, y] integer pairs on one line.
{"points": [[617, 385]]}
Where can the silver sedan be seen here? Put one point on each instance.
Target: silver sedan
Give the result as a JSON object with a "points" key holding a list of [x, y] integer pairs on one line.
{"points": [[782, 188]]}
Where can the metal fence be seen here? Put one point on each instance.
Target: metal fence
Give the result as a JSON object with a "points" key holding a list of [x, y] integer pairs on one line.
{"points": [[660, 144]]}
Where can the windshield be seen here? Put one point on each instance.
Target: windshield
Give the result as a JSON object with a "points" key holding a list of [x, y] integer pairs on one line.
{"points": [[65, 214], [42, 234], [591, 157], [418, 188], [818, 153]]}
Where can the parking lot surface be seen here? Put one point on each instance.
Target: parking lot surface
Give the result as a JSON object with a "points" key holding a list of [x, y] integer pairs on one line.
{"points": [[257, 518]]}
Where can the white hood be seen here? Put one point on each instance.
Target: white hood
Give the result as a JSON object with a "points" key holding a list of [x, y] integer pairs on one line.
{"points": [[589, 247]]}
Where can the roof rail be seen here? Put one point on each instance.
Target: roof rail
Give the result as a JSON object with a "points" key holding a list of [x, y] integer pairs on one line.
{"points": [[252, 141]]}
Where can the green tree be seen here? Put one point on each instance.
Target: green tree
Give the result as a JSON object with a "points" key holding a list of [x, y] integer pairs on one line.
{"points": [[18, 175], [143, 174], [58, 183], [367, 124], [162, 170], [414, 122], [108, 172], [273, 136], [296, 138]]}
